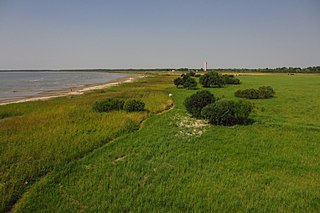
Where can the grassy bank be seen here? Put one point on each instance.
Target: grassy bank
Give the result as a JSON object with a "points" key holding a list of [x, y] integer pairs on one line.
{"points": [[175, 163], [38, 137]]}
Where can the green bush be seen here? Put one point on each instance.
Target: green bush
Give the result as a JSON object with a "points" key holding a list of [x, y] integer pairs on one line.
{"points": [[185, 81], [227, 113], [247, 93], [261, 93], [190, 83], [230, 79], [266, 92], [211, 79], [197, 101], [215, 79], [192, 73], [133, 105], [178, 82], [108, 105]]}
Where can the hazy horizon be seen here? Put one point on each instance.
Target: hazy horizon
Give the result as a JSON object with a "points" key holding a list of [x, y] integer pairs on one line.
{"points": [[98, 34]]}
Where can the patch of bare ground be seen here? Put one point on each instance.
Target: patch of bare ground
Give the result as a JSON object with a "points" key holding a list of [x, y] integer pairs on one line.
{"points": [[119, 159]]}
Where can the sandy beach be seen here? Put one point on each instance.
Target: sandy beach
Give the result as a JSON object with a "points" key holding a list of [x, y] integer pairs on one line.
{"points": [[72, 91]]}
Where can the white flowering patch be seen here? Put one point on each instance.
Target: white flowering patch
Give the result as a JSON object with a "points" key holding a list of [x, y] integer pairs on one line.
{"points": [[189, 127]]}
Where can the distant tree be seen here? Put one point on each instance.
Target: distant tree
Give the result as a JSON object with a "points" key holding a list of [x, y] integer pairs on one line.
{"points": [[183, 69]]}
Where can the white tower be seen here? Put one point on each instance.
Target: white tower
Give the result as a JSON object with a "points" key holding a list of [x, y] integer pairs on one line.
{"points": [[205, 66]]}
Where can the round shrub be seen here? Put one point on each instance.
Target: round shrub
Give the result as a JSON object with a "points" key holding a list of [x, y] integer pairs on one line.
{"points": [[108, 105], [266, 92], [230, 79], [190, 83], [247, 93], [185, 81], [192, 73], [197, 101], [133, 105], [178, 82], [227, 113], [261, 93], [211, 79]]}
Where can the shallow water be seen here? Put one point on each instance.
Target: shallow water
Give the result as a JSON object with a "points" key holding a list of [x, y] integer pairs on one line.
{"points": [[17, 85]]}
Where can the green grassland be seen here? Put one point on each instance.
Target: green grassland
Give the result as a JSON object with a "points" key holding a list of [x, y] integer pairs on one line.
{"points": [[176, 164], [38, 137]]}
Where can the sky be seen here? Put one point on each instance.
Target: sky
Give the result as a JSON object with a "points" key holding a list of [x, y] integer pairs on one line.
{"points": [[72, 34]]}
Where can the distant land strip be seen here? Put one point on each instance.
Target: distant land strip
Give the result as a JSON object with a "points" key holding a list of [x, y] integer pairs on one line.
{"points": [[314, 69]]}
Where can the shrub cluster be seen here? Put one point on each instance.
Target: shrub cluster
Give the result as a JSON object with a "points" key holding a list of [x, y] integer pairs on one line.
{"points": [[215, 79], [230, 79], [227, 112], [261, 93], [211, 79], [111, 104], [186, 81], [133, 105], [197, 101], [204, 105], [108, 105]]}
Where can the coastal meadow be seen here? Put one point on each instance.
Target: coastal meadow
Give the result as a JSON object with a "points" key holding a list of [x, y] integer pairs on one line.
{"points": [[176, 163], [41, 136]]}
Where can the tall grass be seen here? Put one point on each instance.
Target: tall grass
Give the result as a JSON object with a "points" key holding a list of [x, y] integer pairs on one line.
{"points": [[38, 137]]}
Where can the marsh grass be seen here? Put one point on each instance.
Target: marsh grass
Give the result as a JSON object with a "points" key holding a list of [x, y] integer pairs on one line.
{"points": [[49, 134]]}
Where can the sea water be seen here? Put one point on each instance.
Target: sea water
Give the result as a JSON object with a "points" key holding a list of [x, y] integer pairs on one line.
{"points": [[18, 85]]}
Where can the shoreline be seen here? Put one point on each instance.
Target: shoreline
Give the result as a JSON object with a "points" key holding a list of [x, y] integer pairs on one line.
{"points": [[72, 90]]}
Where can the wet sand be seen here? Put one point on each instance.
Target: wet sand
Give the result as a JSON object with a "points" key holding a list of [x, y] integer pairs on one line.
{"points": [[71, 91]]}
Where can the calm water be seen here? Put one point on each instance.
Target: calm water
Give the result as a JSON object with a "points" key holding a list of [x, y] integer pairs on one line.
{"points": [[15, 85]]}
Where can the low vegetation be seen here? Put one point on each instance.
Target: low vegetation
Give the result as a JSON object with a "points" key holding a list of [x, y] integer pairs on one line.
{"points": [[112, 104], [186, 81], [227, 112], [315, 69], [260, 93], [203, 104], [175, 163], [230, 79], [133, 105], [215, 79], [197, 101], [108, 105], [48, 134]]}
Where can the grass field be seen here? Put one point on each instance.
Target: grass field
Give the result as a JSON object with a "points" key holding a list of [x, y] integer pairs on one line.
{"points": [[38, 137], [175, 163]]}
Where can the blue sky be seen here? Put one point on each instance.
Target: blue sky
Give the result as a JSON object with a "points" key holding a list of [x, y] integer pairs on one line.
{"points": [[55, 34]]}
